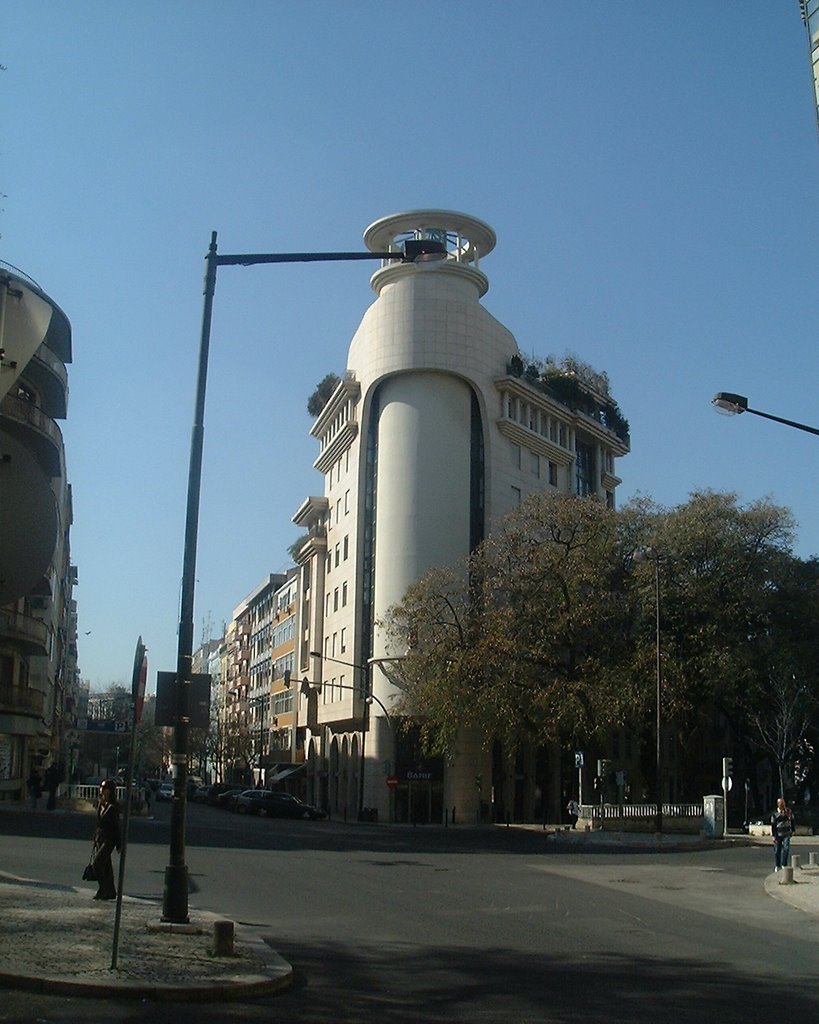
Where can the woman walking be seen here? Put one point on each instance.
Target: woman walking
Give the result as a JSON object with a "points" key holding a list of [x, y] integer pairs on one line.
{"points": [[106, 840]]}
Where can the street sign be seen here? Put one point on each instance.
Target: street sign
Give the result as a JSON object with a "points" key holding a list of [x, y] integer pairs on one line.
{"points": [[392, 781], [727, 783], [103, 725], [138, 678], [199, 710], [578, 759]]}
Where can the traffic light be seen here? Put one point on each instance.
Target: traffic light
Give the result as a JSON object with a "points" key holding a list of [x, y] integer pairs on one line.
{"points": [[727, 767]]}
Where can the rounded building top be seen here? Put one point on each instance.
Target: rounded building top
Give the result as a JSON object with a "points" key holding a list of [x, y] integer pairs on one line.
{"points": [[466, 238]]}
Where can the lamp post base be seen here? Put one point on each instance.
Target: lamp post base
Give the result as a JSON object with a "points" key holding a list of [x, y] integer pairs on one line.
{"points": [[175, 896]]}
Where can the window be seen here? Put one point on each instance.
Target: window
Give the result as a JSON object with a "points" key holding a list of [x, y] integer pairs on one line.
{"points": [[338, 554], [584, 469], [534, 464], [327, 605], [344, 594], [346, 503], [343, 640], [346, 547], [515, 495], [335, 639], [514, 454], [553, 474], [335, 600]]}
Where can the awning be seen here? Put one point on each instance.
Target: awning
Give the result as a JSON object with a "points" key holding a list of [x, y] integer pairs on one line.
{"points": [[285, 771]]}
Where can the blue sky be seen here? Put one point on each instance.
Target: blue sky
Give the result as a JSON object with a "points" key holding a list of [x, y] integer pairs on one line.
{"points": [[650, 170]]}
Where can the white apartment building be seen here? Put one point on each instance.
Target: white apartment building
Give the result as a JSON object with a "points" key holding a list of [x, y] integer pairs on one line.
{"points": [[38, 615], [435, 432]]}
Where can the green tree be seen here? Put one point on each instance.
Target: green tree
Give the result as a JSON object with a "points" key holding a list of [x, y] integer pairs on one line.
{"points": [[320, 397], [532, 639]]}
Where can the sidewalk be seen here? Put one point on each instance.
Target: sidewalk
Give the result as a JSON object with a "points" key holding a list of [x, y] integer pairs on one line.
{"points": [[58, 939]]}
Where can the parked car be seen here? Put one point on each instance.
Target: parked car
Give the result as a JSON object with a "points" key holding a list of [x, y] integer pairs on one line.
{"points": [[226, 799], [216, 790], [251, 801], [275, 805], [165, 791]]}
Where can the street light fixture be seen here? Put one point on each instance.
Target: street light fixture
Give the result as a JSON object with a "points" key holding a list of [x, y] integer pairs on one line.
{"points": [[417, 250], [733, 405]]}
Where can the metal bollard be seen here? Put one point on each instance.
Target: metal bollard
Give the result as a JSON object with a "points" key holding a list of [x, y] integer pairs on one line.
{"points": [[223, 938], [786, 876], [796, 860], [812, 861]]}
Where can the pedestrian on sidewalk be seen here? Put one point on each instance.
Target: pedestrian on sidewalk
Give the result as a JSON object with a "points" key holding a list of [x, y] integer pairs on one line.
{"points": [[573, 807], [106, 840], [782, 830]]}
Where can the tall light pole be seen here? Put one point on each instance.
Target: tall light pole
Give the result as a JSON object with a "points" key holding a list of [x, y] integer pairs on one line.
{"points": [[175, 896], [649, 554], [733, 405]]}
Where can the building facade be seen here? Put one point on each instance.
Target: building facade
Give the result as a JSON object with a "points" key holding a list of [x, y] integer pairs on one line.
{"points": [[38, 618], [434, 433]]}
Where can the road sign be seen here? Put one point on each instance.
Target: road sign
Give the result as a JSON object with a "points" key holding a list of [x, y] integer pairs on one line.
{"points": [[104, 725], [392, 781], [727, 783], [578, 759]]}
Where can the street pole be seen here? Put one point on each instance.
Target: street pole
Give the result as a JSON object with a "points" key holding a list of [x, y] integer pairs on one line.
{"points": [[659, 674], [175, 895]]}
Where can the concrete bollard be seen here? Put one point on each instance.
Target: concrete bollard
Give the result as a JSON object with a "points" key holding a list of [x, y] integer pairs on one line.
{"points": [[223, 938], [796, 860], [812, 861], [786, 875]]}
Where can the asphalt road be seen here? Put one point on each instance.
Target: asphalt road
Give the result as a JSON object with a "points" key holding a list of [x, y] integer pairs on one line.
{"points": [[402, 925]]}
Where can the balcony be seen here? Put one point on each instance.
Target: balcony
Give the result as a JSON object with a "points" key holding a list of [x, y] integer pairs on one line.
{"points": [[38, 432], [48, 375], [21, 700], [27, 634]]}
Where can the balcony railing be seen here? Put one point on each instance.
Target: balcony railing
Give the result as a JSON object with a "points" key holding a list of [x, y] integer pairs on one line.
{"points": [[28, 634], [21, 700], [30, 425]]}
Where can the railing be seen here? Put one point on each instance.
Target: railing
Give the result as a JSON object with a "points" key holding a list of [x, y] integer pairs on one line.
{"points": [[91, 793], [33, 633], [670, 810], [19, 698], [684, 818]]}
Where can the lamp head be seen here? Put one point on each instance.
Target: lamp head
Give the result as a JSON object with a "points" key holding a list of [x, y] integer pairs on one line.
{"points": [[728, 403], [424, 250]]}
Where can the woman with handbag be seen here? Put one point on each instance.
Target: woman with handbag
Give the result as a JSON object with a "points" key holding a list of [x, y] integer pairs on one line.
{"points": [[106, 840]]}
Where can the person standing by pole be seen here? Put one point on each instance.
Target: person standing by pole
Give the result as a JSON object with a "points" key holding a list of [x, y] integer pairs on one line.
{"points": [[106, 840]]}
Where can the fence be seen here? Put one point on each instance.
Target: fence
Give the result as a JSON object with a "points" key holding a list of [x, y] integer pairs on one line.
{"points": [[677, 817]]}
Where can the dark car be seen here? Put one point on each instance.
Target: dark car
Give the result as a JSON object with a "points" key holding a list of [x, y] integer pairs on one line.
{"points": [[276, 805], [226, 799], [251, 801], [216, 790]]}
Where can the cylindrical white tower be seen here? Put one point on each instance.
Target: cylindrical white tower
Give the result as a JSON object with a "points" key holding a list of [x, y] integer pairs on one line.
{"points": [[426, 355]]}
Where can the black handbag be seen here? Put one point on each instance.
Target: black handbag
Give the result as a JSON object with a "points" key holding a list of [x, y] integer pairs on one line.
{"points": [[89, 874]]}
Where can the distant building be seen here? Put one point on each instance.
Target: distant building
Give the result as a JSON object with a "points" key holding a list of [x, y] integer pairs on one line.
{"points": [[436, 431], [38, 621]]}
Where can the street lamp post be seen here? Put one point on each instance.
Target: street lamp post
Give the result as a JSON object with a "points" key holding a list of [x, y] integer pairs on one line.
{"points": [[656, 558], [175, 895], [733, 405]]}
